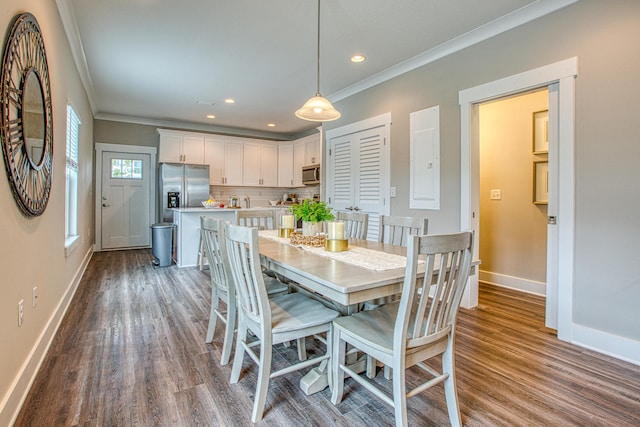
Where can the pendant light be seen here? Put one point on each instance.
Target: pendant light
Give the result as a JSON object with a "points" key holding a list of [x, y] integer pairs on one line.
{"points": [[318, 108]]}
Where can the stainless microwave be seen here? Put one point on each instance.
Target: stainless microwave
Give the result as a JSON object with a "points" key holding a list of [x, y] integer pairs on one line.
{"points": [[311, 174]]}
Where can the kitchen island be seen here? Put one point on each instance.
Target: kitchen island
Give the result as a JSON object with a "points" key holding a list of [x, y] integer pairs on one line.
{"points": [[187, 237]]}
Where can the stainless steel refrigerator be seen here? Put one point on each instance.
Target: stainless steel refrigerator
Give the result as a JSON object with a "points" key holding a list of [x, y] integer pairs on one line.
{"points": [[181, 185]]}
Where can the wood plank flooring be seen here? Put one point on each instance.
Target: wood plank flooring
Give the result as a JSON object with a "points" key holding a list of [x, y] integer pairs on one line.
{"points": [[131, 352]]}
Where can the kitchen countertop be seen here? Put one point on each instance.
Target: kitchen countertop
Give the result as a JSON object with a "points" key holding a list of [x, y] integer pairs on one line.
{"points": [[203, 209]]}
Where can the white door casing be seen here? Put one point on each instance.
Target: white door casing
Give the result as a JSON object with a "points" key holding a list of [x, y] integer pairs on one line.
{"points": [[130, 203], [560, 79]]}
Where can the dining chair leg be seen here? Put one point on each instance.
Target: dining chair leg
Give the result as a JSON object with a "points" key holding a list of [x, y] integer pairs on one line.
{"points": [[228, 335], [338, 349], [450, 392], [241, 337], [399, 394], [213, 317], [264, 372]]}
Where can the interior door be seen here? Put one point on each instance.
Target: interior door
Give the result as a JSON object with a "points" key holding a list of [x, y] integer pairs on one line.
{"points": [[551, 315], [125, 200]]}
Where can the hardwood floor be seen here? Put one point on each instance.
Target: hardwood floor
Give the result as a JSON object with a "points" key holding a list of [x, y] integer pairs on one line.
{"points": [[131, 352]]}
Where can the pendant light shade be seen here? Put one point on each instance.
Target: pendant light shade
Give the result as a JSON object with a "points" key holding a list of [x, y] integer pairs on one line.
{"points": [[318, 108]]}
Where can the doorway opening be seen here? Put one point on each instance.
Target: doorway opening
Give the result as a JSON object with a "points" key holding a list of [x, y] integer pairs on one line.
{"points": [[514, 157], [559, 77]]}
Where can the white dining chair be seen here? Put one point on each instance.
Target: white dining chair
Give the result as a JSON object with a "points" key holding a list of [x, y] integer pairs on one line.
{"points": [[213, 236], [212, 233], [395, 230], [356, 224], [277, 320], [408, 332], [263, 219]]}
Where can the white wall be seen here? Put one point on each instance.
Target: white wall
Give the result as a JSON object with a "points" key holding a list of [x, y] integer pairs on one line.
{"points": [[32, 250], [603, 35]]}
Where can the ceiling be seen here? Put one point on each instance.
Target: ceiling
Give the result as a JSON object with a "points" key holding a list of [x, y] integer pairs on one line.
{"points": [[170, 62]]}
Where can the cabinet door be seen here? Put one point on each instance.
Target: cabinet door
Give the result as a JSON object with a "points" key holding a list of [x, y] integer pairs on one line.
{"points": [[285, 165], [252, 159], [170, 149], [233, 162], [193, 150], [269, 164], [299, 160], [214, 156], [313, 155]]}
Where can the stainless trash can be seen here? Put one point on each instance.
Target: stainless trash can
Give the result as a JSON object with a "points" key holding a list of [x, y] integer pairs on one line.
{"points": [[162, 243]]}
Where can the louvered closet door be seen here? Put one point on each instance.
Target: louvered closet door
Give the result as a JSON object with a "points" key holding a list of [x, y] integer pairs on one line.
{"points": [[356, 179], [341, 178]]}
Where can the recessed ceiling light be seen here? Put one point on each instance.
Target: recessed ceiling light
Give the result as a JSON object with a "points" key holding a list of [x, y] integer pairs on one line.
{"points": [[230, 101], [211, 116], [358, 58], [271, 125]]}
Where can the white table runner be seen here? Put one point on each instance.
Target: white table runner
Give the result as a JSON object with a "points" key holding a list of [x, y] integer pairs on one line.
{"points": [[361, 257]]}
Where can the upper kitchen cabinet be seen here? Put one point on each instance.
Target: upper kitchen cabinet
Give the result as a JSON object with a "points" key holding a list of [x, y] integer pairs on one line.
{"points": [[285, 165], [306, 151], [260, 164], [225, 159], [181, 147]]}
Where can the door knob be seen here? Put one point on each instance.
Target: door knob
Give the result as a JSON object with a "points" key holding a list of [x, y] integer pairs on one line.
{"points": [[105, 205], [551, 220]]}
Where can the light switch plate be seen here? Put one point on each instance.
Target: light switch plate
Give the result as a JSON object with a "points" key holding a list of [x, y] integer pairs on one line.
{"points": [[393, 191], [496, 194]]}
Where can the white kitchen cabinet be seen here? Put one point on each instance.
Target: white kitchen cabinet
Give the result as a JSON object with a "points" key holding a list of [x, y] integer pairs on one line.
{"points": [[225, 160], [260, 164], [299, 160], [181, 147], [313, 155], [285, 165]]}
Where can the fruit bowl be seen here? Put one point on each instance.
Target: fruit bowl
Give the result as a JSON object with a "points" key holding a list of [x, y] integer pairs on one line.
{"points": [[209, 204]]}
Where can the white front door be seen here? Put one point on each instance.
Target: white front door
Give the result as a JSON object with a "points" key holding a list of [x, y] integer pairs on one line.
{"points": [[125, 200]]}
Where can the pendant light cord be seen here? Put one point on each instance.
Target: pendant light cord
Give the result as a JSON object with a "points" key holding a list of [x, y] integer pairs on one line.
{"points": [[318, 56]]}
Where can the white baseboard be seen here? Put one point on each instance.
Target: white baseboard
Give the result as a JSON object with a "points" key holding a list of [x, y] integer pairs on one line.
{"points": [[511, 282], [15, 397], [606, 343]]}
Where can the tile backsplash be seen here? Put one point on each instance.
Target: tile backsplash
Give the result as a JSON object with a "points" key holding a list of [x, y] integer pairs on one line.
{"points": [[260, 196]]}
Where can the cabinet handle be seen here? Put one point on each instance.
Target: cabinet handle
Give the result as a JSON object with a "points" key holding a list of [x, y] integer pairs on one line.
{"points": [[357, 209], [349, 208]]}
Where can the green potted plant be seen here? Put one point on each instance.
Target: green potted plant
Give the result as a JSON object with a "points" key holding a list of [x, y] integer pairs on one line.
{"points": [[312, 214]]}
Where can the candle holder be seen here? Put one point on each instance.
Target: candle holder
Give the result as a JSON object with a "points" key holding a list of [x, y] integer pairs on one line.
{"points": [[336, 245], [285, 233]]}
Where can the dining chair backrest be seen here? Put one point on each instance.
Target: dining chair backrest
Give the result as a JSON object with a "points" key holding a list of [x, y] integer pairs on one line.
{"points": [[212, 232], [428, 307], [244, 265], [355, 224], [263, 219], [396, 230]]}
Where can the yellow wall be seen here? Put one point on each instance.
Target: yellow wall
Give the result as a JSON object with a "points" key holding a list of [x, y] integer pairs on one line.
{"points": [[513, 229]]}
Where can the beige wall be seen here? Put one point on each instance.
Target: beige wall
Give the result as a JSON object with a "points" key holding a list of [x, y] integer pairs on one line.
{"points": [[109, 132], [603, 35], [513, 230], [32, 251]]}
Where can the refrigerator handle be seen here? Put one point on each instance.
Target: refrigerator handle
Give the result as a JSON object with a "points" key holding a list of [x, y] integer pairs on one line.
{"points": [[185, 190]]}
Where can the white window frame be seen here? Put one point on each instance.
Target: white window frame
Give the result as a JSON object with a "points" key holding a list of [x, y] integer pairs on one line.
{"points": [[72, 169]]}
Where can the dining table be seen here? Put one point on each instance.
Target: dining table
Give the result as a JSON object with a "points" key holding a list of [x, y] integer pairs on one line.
{"points": [[366, 271]]}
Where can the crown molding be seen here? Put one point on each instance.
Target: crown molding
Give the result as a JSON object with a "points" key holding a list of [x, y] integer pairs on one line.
{"points": [[68, 18], [497, 26]]}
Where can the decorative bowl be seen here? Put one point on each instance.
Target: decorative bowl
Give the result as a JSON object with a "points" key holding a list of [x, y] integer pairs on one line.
{"points": [[274, 202], [209, 204]]}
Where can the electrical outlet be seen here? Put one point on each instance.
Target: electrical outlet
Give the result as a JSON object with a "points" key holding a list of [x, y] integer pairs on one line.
{"points": [[496, 194], [35, 296], [393, 191], [20, 312]]}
